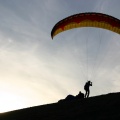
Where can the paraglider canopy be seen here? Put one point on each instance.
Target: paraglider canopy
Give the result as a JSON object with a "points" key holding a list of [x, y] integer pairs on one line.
{"points": [[91, 19]]}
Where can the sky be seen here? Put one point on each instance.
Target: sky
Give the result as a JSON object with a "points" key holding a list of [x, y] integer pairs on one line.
{"points": [[36, 70]]}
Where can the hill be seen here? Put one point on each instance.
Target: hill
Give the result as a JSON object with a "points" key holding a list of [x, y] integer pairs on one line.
{"points": [[104, 107]]}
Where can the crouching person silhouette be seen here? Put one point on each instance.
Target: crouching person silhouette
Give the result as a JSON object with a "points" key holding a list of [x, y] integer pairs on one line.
{"points": [[87, 88]]}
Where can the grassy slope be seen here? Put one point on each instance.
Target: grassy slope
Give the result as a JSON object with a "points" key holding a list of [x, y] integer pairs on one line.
{"points": [[104, 107]]}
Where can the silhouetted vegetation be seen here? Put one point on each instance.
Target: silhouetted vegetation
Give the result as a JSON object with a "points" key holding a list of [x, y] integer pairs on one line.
{"points": [[71, 97]]}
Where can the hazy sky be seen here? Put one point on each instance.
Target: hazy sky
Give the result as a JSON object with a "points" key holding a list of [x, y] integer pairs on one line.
{"points": [[36, 70]]}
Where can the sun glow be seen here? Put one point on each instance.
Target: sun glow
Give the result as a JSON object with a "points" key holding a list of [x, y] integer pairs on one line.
{"points": [[10, 101]]}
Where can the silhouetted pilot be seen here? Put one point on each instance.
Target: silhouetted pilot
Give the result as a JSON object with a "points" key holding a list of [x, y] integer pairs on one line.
{"points": [[86, 88]]}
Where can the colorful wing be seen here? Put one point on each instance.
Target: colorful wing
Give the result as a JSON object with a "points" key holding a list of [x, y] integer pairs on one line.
{"points": [[87, 20]]}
